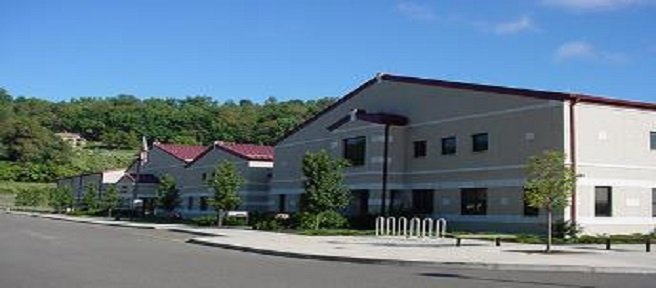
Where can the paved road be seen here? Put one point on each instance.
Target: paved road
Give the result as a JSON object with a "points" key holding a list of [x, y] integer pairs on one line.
{"points": [[41, 253]]}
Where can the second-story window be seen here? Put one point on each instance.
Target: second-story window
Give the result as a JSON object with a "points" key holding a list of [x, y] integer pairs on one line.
{"points": [[652, 140], [479, 142], [419, 149], [448, 145], [355, 150]]}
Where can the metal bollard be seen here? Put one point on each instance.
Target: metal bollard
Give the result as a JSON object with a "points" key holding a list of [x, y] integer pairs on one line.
{"points": [[390, 230], [403, 226], [608, 243], [497, 241], [380, 222], [458, 242]]}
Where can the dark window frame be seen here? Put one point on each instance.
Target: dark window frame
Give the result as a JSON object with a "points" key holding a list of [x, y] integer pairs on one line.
{"points": [[420, 148], [479, 200], [529, 211], [282, 203], [604, 209], [447, 149], [190, 203], [478, 146], [357, 157], [652, 140], [203, 203], [423, 201], [653, 202]]}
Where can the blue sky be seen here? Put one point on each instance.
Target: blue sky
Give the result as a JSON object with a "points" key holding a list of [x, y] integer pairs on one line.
{"points": [[308, 49]]}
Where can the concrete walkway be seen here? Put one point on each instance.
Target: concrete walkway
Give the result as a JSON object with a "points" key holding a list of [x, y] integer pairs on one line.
{"points": [[394, 250]]}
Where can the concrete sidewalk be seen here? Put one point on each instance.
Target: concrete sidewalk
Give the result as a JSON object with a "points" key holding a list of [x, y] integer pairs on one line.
{"points": [[394, 250]]}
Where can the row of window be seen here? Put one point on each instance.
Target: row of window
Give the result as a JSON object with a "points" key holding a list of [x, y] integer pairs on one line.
{"points": [[354, 149], [202, 201], [474, 201]]}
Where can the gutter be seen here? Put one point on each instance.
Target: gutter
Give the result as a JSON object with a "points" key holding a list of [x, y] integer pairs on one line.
{"points": [[573, 99]]}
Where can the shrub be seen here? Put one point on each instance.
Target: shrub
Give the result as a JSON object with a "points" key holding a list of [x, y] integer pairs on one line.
{"points": [[207, 220], [326, 220]]}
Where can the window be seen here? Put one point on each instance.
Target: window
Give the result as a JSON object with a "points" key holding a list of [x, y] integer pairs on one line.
{"points": [[530, 211], [204, 176], [420, 149], [190, 203], [282, 203], [473, 201], [652, 140], [422, 201], [354, 150], [603, 201], [653, 202], [203, 203], [448, 145], [359, 204], [479, 142]]}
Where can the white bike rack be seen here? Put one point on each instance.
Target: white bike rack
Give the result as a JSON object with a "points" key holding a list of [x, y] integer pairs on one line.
{"points": [[413, 228]]}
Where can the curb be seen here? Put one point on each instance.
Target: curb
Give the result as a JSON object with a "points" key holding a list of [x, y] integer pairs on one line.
{"points": [[446, 265], [197, 233]]}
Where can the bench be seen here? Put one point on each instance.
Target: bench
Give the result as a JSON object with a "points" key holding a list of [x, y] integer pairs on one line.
{"points": [[496, 237]]}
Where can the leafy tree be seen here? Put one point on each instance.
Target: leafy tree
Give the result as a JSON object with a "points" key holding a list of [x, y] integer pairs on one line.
{"points": [[25, 140], [90, 198], [60, 198], [548, 185], [111, 200], [225, 184], [168, 195], [324, 188]]}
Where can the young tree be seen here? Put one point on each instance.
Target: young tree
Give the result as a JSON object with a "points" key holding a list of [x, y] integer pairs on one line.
{"points": [[61, 198], [111, 200], [168, 195], [89, 200], [548, 185], [225, 184], [324, 188]]}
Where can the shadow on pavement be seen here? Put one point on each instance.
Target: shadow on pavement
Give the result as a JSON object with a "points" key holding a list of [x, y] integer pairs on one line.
{"points": [[465, 277], [553, 252]]}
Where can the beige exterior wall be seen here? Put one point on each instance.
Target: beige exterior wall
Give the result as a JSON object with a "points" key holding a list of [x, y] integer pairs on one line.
{"points": [[613, 149], [254, 192], [518, 127]]}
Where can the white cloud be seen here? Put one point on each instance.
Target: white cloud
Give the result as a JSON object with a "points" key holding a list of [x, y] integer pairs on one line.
{"points": [[581, 50], [415, 11], [589, 5], [522, 24]]}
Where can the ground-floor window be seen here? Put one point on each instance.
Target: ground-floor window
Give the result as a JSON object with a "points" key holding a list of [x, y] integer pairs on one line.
{"points": [[603, 201], [653, 202], [190, 203], [282, 203], [473, 201], [359, 204], [422, 201], [529, 210], [203, 203]]}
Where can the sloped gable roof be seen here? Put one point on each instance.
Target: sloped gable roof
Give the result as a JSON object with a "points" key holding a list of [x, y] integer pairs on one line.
{"points": [[540, 94], [186, 153], [247, 151]]}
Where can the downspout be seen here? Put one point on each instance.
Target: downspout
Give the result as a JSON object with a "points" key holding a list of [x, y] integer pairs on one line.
{"points": [[383, 209], [572, 150]]}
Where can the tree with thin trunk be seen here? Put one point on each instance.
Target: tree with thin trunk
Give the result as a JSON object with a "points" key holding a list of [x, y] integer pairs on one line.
{"points": [[324, 187], [225, 183], [60, 198], [90, 198], [168, 195], [111, 200], [548, 185]]}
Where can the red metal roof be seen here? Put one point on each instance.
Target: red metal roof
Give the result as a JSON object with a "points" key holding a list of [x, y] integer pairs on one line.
{"points": [[186, 153], [247, 151]]}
